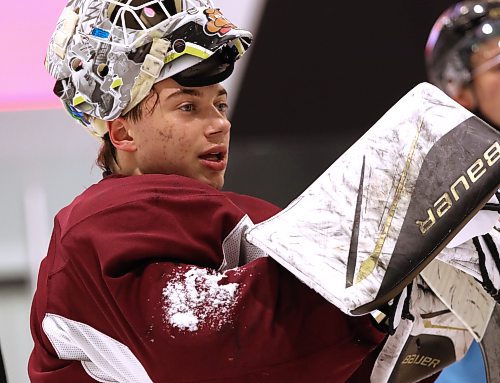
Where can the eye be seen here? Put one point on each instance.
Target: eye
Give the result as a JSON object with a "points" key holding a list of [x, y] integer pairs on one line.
{"points": [[223, 107], [187, 107]]}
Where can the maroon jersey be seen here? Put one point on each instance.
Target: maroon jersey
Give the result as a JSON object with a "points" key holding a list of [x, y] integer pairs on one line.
{"points": [[149, 279]]}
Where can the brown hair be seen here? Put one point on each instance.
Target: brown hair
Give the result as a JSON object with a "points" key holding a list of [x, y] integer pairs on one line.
{"points": [[106, 159]]}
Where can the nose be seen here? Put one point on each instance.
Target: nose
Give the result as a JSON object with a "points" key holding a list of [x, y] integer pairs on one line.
{"points": [[218, 125]]}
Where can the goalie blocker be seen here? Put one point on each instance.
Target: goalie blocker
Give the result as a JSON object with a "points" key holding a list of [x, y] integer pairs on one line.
{"points": [[428, 339], [385, 208]]}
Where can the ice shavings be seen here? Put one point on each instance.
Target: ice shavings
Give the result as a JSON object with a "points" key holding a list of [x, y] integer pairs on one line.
{"points": [[195, 299]]}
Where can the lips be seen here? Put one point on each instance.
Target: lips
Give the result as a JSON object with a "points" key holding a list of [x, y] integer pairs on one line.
{"points": [[214, 158]]}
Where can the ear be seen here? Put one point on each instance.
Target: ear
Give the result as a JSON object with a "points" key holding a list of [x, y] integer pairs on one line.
{"points": [[119, 134], [466, 98]]}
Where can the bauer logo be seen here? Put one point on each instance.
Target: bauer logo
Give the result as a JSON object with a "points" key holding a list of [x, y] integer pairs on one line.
{"points": [[460, 188], [423, 360]]}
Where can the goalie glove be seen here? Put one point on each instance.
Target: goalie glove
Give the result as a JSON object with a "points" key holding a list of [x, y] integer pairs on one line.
{"points": [[429, 338]]}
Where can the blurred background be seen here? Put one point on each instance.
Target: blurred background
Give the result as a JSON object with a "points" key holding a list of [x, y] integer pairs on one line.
{"points": [[316, 78]]}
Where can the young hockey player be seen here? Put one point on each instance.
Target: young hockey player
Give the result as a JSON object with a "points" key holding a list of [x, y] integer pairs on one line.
{"points": [[146, 279], [149, 276]]}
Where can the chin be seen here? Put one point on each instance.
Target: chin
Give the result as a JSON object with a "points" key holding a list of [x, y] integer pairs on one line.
{"points": [[217, 183]]}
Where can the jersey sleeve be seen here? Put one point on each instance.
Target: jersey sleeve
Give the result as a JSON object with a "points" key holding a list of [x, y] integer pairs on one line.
{"points": [[136, 292]]}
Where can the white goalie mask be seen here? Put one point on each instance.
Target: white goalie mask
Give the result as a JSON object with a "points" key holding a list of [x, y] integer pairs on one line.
{"points": [[107, 54]]}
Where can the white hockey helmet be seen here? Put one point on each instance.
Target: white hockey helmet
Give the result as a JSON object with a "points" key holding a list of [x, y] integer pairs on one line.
{"points": [[107, 54], [456, 34]]}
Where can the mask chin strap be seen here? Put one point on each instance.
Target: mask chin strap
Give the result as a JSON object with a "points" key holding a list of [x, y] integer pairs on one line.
{"points": [[99, 127], [150, 70]]}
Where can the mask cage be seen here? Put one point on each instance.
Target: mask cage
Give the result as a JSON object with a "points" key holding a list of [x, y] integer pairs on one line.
{"points": [[129, 22]]}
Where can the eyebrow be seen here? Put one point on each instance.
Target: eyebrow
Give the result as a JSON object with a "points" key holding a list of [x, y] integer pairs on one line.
{"points": [[194, 92]]}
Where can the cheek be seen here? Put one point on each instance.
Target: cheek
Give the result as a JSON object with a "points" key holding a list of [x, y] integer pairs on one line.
{"points": [[163, 140], [173, 143], [488, 95], [490, 86], [155, 144]]}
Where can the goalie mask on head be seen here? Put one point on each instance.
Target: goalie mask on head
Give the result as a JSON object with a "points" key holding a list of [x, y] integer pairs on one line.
{"points": [[455, 35], [107, 54]]}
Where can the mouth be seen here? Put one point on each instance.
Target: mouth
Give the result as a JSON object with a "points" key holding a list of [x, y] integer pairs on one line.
{"points": [[215, 158]]}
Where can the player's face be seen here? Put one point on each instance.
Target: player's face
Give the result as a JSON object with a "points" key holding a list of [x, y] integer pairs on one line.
{"points": [[486, 83], [186, 134]]}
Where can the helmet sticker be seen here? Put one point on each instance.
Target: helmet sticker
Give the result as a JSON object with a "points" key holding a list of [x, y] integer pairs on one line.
{"points": [[217, 23]]}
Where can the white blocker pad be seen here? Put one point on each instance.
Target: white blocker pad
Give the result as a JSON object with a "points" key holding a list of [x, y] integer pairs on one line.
{"points": [[385, 208]]}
